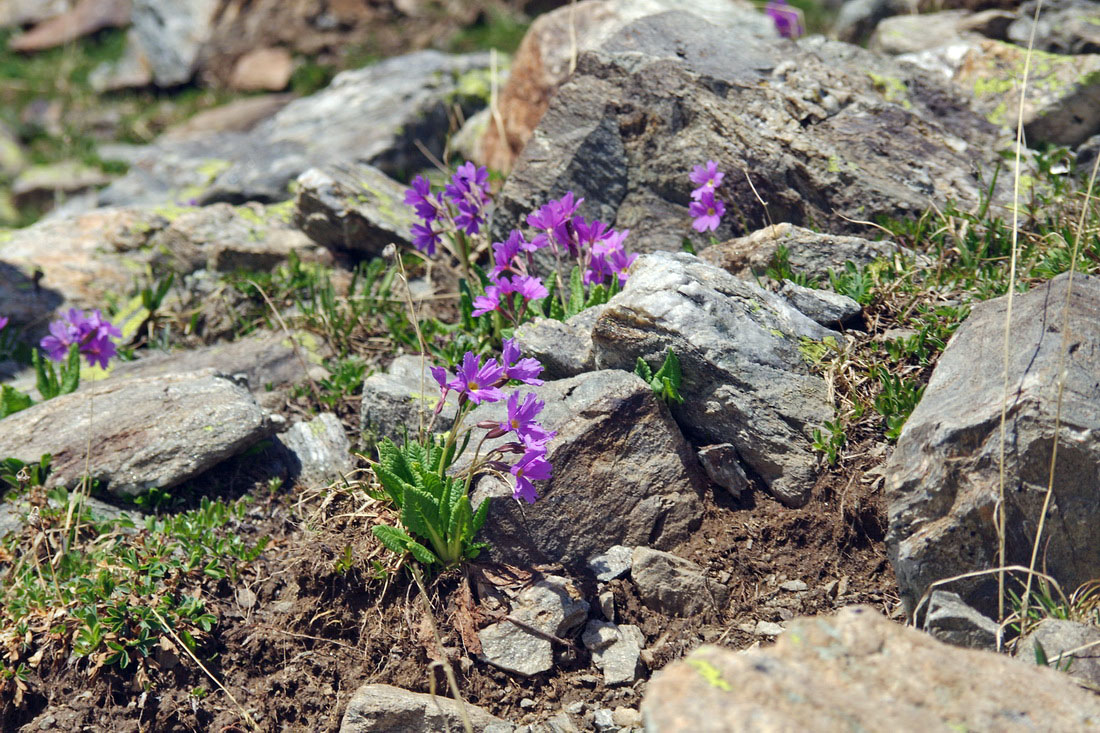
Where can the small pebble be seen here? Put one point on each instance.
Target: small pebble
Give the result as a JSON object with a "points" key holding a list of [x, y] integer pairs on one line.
{"points": [[795, 586], [527, 703]]}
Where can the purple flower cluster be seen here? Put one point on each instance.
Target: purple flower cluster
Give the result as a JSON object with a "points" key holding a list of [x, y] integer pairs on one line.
{"points": [[460, 206], [90, 331], [705, 208], [3, 322], [787, 19], [477, 381]]}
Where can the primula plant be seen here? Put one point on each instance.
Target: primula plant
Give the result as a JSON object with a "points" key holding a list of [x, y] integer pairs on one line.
{"points": [[438, 523], [705, 208]]}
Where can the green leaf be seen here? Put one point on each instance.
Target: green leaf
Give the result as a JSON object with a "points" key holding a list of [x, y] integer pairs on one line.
{"points": [[393, 485], [576, 293], [479, 517], [393, 538], [421, 515], [12, 401], [45, 376], [422, 553], [460, 519], [642, 370], [70, 374]]}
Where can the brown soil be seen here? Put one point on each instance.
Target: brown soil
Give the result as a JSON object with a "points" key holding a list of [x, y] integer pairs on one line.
{"points": [[296, 637]]}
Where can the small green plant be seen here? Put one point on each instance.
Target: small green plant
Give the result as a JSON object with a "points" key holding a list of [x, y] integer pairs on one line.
{"points": [[896, 400], [830, 440], [12, 400], [64, 380], [16, 474], [434, 508], [779, 269], [855, 282], [666, 381]]}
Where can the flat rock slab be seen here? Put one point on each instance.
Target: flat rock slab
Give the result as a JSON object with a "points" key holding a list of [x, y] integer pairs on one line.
{"points": [[744, 379], [942, 480], [859, 671], [388, 709], [673, 585], [827, 132], [353, 208], [376, 115], [321, 450], [145, 432], [623, 475]]}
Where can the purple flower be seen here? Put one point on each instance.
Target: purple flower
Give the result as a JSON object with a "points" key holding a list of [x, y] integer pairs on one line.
{"points": [[91, 332], [552, 221], [620, 262], [523, 419], [3, 322], [505, 252], [425, 237], [522, 370], [706, 177], [488, 302], [707, 212], [479, 381], [788, 20], [469, 192], [532, 465], [421, 199]]}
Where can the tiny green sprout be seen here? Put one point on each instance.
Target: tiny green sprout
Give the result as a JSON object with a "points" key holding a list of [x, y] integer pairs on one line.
{"points": [[666, 381]]}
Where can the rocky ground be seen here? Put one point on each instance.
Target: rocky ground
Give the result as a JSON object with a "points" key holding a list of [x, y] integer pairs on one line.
{"points": [[865, 494]]}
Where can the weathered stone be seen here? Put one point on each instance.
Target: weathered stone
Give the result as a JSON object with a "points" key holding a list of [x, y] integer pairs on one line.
{"points": [[268, 363], [616, 650], [321, 449], [1087, 153], [564, 348], [262, 69], [672, 585], [874, 137], [403, 398], [240, 115], [1070, 646], [145, 432], [544, 61], [744, 380], [613, 563], [1062, 102], [39, 184], [911, 33], [857, 19], [1065, 26], [549, 606], [376, 115], [15, 13], [942, 479], [823, 306], [387, 709], [172, 36], [623, 474], [953, 622], [723, 467], [132, 70], [86, 17], [808, 253], [354, 208], [859, 671]]}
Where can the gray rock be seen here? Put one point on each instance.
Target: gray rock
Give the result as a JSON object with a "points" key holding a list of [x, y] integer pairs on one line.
{"points": [[388, 709], [744, 380], [942, 479], [606, 601], [132, 70], [953, 622], [1062, 100], [15, 13], [321, 449], [604, 721], [1065, 646], [767, 628], [45, 184], [171, 36], [378, 113], [857, 19], [564, 348], [823, 306], [146, 431], [549, 606], [723, 467], [859, 671], [623, 474], [613, 563], [911, 33], [808, 253], [794, 586], [1087, 153], [616, 650], [1065, 26], [835, 134], [403, 398], [354, 208], [672, 585]]}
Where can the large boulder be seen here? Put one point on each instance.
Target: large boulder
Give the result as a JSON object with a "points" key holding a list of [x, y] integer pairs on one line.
{"points": [[376, 115], [623, 475], [859, 671], [1062, 100], [142, 433], [829, 134], [744, 379], [943, 479], [544, 61]]}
